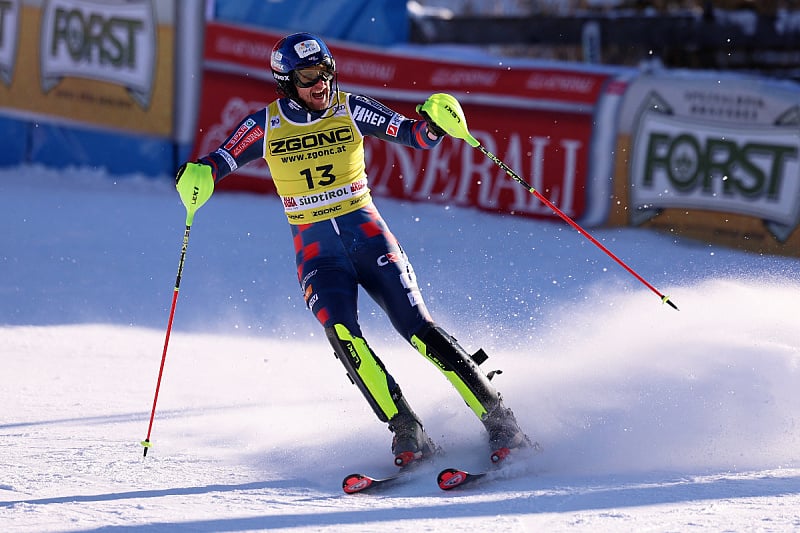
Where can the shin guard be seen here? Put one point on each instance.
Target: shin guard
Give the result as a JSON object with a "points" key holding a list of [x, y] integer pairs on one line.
{"points": [[366, 371], [460, 368]]}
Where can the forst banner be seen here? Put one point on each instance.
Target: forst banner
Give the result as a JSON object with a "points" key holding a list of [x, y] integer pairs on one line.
{"points": [[90, 62], [712, 157], [539, 120]]}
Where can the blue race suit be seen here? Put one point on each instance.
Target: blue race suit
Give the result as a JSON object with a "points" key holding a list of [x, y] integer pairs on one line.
{"points": [[341, 241], [335, 252]]}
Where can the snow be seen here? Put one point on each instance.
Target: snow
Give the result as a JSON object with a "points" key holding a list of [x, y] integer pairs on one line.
{"points": [[650, 419]]}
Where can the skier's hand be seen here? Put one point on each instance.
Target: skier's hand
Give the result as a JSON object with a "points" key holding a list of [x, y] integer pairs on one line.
{"points": [[195, 183], [444, 116]]}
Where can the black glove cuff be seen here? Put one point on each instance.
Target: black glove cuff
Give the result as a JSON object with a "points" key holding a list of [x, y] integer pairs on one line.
{"points": [[432, 127], [179, 173]]}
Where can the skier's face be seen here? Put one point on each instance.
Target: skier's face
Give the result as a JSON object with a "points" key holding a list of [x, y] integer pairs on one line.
{"points": [[314, 87]]}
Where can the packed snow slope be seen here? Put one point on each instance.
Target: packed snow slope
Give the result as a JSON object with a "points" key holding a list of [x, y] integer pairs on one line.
{"points": [[649, 418]]}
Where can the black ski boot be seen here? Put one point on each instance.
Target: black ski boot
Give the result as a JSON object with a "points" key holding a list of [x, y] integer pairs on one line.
{"points": [[504, 432], [410, 442]]}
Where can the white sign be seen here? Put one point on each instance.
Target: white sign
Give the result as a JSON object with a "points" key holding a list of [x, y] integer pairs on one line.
{"points": [[109, 41], [683, 162], [9, 37]]}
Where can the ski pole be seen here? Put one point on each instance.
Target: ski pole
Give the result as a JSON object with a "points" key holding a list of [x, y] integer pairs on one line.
{"points": [[457, 127], [146, 441], [197, 195]]}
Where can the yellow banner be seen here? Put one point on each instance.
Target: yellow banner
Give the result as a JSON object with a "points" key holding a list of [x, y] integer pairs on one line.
{"points": [[88, 61]]}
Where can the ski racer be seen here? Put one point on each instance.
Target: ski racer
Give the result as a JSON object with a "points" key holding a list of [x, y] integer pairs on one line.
{"points": [[312, 140]]}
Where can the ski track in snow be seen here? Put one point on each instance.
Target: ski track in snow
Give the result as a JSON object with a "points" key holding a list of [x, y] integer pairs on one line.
{"points": [[650, 419]]}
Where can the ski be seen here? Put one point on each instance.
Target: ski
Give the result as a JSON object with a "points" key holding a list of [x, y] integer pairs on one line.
{"points": [[356, 483], [451, 478], [406, 461]]}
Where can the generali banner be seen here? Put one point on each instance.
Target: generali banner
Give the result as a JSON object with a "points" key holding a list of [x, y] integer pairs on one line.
{"points": [[89, 61], [538, 120], [715, 158]]}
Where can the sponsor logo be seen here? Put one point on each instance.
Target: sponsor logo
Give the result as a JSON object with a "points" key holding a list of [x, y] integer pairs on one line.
{"points": [[452, 113], [409, 279], [686, 163], [111, 42], [308, 141], [353, 355], [414, 298], [371, 70], [307, 278], [244, 128], [248, 140], [326, 210], [566, 83], [232, 164], [276, 60], [394, 125], [356, 191], [307, 48], [323, 196], [368, 116], [464, 77], [391, 257]]}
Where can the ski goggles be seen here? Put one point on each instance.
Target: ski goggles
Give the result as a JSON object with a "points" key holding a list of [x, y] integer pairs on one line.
{"points": [[308, 77]]}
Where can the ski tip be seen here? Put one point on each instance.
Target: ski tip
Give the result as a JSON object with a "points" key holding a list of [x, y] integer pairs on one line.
{"points": [[450, 478], [355, 483]]}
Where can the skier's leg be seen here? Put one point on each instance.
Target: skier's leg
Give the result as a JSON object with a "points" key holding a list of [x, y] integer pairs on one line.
{"points": [[391, 282], [461, 369], [367, 372], [329, 283]]}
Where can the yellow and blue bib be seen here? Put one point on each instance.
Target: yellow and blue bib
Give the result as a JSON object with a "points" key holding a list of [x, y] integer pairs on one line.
{"points": [[318, 167]]}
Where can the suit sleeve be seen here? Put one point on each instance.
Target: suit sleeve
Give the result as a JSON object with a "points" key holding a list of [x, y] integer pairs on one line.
{"points": [[243, 145], [374, 119]]}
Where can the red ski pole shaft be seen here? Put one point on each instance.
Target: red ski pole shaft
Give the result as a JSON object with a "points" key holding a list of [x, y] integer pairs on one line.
{"points": [[146, 441], [665, 299], [451, 117]]}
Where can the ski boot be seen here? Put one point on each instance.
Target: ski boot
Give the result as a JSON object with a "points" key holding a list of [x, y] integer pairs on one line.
{"points": [[504, 433], [410, 442]]}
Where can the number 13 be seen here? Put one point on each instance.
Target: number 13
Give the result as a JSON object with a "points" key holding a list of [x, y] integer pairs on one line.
{"points": [[327, 176]]}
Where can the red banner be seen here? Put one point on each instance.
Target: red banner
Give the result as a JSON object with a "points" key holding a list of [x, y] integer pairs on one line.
{"points": [[539, 121]]}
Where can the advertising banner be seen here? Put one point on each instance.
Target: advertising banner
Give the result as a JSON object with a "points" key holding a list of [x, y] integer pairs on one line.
{"points": [[92, 62], [539, 120], [715, 158]]}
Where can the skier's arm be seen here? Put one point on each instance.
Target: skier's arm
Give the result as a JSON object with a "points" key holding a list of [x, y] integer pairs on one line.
{"points": [[196, 179], [377, 120], [244, 144]]}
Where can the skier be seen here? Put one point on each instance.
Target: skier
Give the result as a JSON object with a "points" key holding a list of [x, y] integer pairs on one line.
{"points": [[312, 140]]}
